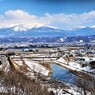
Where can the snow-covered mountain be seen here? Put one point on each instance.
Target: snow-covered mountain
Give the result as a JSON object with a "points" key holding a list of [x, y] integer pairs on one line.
{"points": [[34, 32], [19, 31]]}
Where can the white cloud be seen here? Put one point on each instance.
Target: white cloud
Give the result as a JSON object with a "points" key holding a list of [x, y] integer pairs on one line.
{"points": [[19, 14], [70, 21], [63, 21], [17, 17]]}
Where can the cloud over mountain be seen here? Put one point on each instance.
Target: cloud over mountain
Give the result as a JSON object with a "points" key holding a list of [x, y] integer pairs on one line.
{"points": [[63, 21], [17, 17]]}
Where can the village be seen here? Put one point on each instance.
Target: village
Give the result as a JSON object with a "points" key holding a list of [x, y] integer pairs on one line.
{"points": [[79, 60]]}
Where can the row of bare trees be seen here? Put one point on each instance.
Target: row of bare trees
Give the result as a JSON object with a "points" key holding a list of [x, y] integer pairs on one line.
{"points": [[15, 83]]}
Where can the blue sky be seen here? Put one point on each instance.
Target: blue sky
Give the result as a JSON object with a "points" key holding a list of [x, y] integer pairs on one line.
{"points": [[64, 14], [40, 7]]}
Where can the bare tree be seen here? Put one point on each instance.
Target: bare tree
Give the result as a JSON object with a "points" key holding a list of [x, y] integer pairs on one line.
{"points": [[86, 85], [58, 86]]}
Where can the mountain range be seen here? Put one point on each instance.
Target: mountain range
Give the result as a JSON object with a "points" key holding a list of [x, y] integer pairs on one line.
{"points": [[45, 32]]}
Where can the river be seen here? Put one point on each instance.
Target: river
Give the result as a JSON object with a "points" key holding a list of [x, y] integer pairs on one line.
{"points": [[62, 74]]}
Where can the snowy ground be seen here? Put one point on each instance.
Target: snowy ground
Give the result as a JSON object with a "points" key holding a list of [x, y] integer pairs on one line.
{"points": [[73, 65], [37, 67], [5, 64]]}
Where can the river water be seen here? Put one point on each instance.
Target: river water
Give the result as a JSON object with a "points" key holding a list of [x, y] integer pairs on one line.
{"points": [[62, 74]]}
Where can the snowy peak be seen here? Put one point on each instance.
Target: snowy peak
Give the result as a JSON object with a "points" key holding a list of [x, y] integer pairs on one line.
{"points": [[17, 29], [20, 28]]}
